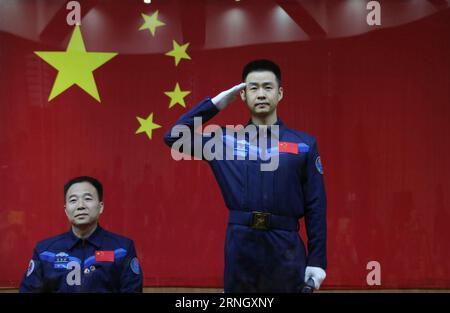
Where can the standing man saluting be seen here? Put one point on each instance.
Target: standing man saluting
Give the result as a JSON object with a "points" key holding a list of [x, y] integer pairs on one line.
{"points": [[263, 249]]}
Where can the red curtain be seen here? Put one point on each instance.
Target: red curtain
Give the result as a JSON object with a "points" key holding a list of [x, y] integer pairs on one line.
{"points": [[376, 97]]}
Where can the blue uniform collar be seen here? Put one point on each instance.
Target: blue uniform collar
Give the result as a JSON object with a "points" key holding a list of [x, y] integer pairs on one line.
{"points": [[278, 122], [95, 238]]}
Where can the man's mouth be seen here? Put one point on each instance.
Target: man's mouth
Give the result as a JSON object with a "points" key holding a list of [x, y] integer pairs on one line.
{"points": [[81, 215], [261, 104]]}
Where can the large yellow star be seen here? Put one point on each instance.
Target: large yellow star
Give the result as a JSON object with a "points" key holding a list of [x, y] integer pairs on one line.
{"points": [[75, 66], [179, 52], [177, 96], [147, 125], [151, 22]]}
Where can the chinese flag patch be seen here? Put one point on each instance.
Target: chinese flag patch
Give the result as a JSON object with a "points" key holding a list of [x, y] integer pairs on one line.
{"points": [[104, 256], [289, 147]]}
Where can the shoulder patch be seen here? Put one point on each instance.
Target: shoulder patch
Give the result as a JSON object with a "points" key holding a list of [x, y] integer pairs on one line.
{"points": [[319, 165], [134, 264], [30, 267]]}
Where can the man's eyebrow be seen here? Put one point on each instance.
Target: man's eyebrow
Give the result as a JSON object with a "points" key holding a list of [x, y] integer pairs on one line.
{"points": [[83, 194], [263, 83]]}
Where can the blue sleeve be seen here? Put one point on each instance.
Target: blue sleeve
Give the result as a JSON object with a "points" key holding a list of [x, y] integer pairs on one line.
{"points": [[131, 275], [33, 279], [204, 110], [315, 209]]}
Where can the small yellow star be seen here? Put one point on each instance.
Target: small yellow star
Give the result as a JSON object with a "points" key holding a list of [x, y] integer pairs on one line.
{"points": [[147, 125], [177, 96], [179, 52], [151, 22]]}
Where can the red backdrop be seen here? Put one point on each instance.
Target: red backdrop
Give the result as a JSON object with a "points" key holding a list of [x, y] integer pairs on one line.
{"points": [[376, 97]]}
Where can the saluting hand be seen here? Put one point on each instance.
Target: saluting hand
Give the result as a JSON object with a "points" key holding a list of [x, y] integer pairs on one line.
{"points": [[227, 96]]}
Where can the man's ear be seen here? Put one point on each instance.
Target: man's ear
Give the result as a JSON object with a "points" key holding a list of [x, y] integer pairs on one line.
{"points": [[280, 93], [101, 207], [243, 95], [65, 211]]}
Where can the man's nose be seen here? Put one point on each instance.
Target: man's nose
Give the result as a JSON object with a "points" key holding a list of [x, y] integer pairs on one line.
{"points": [[80, 206], [260, 94]]}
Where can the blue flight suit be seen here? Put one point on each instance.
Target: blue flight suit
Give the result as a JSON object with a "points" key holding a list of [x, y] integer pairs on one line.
{"points": [[107, 263], [271, 258]]}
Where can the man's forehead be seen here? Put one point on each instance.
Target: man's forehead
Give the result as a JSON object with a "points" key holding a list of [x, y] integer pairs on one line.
{"points": [[81, 188], [263, 77]]}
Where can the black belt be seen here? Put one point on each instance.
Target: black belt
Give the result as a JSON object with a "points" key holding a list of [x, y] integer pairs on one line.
{"points": [[262, 220]]}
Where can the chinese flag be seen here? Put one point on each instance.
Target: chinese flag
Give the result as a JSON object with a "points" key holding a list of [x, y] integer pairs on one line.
{"points": [[104, 256], [289, 147]]}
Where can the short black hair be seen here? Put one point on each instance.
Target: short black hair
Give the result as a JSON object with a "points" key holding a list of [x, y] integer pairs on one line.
{"points": [[262, 65], [81, 179]]}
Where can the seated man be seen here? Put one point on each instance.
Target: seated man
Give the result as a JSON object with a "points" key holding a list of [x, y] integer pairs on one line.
{"points": [[87, 258]]}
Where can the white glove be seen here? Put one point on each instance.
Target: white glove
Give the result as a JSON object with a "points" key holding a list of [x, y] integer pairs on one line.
{"points": [[227, 96], [317, 274]]}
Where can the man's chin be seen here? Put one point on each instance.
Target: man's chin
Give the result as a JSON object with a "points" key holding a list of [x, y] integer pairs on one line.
{"points": [[82, 223], [261, 112]]}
